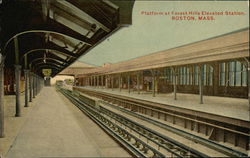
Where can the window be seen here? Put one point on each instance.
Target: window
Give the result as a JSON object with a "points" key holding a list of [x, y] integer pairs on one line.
{"points": [[210, 76], [222, 74], [168, 75], [231, 73], [185, 76], [204, 75], [244, 76], [237, 74], [188, 76], [196, 75]]}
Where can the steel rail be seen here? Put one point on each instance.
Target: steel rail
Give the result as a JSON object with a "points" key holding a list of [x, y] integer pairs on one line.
{"points": [[229, 151], [160, 110], [171, 146], [108, 125]]}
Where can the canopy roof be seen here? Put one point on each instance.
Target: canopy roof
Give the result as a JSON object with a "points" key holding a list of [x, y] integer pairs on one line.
{"points": [[52, 34], [234, 45]]}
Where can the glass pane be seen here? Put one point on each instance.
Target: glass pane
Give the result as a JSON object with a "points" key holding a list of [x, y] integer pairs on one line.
{"points": [[204, 75], [231, 66], [222, 74], [184, 75], [244, 76], [211, 72], [196, 71], [231, 78], [238, 66], [238, 78], [222, 67], [222, 78]]}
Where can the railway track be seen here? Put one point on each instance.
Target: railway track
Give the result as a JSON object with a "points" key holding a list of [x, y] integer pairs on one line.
{"points": [[130, 108], [138, 139]]}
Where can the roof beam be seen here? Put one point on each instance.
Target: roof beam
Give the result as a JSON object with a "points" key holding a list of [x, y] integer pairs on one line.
{"points": [[51, 45], [53, 25], [47, 63], [50, 50], [47, 59], [88, 7], [62, 11]]}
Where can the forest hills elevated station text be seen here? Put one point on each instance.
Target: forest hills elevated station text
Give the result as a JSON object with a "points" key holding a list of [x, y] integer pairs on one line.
{"points": [[192, 13]]}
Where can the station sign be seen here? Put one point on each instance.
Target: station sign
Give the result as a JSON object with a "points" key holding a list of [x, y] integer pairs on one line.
{"points": [[47, 72]]}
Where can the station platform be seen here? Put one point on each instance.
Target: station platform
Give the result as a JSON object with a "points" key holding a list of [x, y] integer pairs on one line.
{"points": [[236, 108], [54, 127]]}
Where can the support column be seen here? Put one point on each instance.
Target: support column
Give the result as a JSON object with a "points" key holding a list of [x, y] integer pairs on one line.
{"points": [[17, 80], [120, 82], [153, 82], [102, 81], [26, 75], [97, 77], [175, 83], [1, 100], [30, 86], [37, 84], [91, 81], [138, 82], [142, 81], [34, 85], [248, 82], [112, 82], [201, 84], [128, 83], [106, 81]]}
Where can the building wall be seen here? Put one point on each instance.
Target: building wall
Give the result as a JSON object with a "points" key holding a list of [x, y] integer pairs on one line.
{"points": [[220, 78], [9, 82]]}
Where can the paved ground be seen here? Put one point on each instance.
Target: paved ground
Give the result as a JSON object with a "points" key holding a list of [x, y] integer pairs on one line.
{"points": [[12, 124], [230, 107], [56, 128]]}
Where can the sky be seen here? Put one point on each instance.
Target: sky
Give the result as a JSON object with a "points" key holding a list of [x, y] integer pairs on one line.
{"points": [[152, 33]]}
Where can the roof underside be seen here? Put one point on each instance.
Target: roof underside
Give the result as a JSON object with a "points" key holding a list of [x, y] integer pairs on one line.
{"points": [[52, 34]]}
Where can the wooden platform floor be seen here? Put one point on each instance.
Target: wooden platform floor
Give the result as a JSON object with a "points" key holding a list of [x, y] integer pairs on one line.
{"points": [[54, 127]]}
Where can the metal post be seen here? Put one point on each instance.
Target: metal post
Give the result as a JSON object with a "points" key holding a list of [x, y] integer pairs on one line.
{"points": [[91, 81], [142, 79], [102, 81], [26, 75], [153, 82], [17, 78], [97, 77], [38, 84], [120, 82], [30, 85], [175, 83], [34, 85], [112, 82], [138, 82], [201, 84], [128, 83], [1, 100], [248, 81]]}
